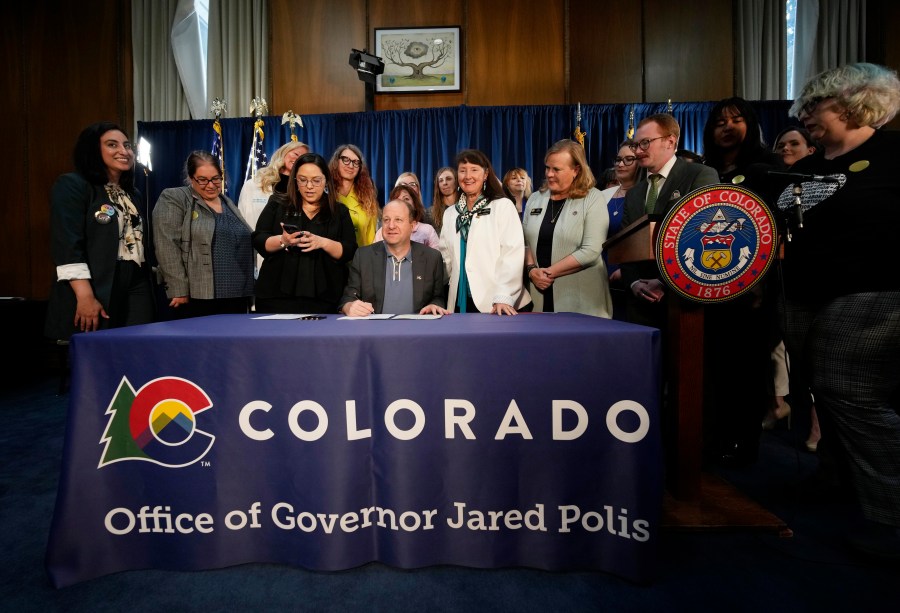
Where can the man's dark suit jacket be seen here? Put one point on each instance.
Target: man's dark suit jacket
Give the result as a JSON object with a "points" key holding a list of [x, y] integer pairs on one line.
{"points": [[366, 280], [684, 178]]}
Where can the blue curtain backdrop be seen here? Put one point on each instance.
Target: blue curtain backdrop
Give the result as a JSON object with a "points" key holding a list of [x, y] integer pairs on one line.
{"points": [[423, 140]]}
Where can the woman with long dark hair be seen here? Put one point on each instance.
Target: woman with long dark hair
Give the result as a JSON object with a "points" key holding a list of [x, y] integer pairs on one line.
{"points": [[732, 140], [306, 238]]}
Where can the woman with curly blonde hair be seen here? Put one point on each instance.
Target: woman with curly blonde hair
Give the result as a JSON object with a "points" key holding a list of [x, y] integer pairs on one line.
{"points": [[269, 180], [356, 191]]}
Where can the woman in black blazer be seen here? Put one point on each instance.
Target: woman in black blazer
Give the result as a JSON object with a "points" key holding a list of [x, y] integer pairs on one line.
{"points": [[97, 230]]}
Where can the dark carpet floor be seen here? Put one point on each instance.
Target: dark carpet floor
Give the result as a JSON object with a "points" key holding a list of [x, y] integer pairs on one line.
{"points": [[700, 570]]}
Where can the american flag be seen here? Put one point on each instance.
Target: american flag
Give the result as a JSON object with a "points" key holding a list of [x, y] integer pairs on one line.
{"points": [[218, 150], [257, 157]]}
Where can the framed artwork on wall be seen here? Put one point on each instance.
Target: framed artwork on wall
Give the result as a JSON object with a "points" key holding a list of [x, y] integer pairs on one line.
{"points": [[418, 60]]}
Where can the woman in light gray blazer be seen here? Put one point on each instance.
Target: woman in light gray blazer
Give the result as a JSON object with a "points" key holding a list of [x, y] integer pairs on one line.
{"points": [[565, 226]]}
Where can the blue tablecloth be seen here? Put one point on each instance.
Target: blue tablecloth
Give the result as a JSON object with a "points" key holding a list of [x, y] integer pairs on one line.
{"points": [[474, 440]]}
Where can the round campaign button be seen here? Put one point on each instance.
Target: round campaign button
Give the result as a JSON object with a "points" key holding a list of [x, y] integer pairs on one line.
{"points": [[716, 243], [105, 213]]}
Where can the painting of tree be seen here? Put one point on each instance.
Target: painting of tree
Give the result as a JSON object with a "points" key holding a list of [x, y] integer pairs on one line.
{"points": [[419, 59]]}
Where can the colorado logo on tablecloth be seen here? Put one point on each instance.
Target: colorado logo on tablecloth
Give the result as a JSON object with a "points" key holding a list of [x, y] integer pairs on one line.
{"points": [[716, 243], [157, 423]]}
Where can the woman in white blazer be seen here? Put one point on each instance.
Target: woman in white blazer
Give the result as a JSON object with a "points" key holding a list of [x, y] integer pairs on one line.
{"points": [[482, 243]]}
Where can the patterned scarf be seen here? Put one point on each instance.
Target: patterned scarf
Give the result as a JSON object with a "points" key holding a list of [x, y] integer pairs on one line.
{"points": [[465, 215], [131, 233]]}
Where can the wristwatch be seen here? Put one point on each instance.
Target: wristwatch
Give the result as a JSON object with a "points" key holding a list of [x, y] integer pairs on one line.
{"points": [[529, 268]]}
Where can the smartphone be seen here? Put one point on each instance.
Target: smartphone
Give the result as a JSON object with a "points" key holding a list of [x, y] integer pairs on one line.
{"points": [[291, 228]]}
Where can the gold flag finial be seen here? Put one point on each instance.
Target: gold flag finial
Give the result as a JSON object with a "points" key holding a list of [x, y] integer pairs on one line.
{"points": [[292, 118], [579, 135]]}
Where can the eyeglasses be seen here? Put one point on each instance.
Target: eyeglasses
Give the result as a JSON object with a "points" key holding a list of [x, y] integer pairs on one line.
{"points": [[628, 160], [411, 184], [348, 162], [315, 181], [645, 144], [810, 106], [203, 181], [114, 146]]}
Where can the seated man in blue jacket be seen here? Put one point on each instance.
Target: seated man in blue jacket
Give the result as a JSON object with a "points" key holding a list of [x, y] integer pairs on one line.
{"points": [[396, 275]]}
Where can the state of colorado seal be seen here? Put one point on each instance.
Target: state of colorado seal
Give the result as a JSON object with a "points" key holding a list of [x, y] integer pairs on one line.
{"points": [[716, 243]]}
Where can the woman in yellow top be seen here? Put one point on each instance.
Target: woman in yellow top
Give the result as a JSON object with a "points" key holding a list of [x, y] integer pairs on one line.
{"points": [[356, 191]]}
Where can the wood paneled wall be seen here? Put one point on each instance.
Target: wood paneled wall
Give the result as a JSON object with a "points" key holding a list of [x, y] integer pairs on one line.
{"points": [[688, 53], [68, 64], [605, 59], [514, 52], [408, 13], [311, 43]]}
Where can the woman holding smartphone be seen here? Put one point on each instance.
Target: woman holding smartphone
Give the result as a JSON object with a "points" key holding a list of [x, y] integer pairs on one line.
{"points": [[306, 238]]}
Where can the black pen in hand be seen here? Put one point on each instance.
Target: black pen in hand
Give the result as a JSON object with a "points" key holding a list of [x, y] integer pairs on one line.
{"points": [[366, 305]]}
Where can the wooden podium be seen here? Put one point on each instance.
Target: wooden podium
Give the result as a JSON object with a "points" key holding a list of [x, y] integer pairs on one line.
{"points": [[682, 364], [695, 499]]}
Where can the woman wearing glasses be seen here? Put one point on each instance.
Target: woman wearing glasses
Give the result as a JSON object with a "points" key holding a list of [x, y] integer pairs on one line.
{"points": [[355, 190], [203, 244], [842, 285], [565, 225], [97, 239], [626, 172], [626, 175], [306, 238], [409, 179]]}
